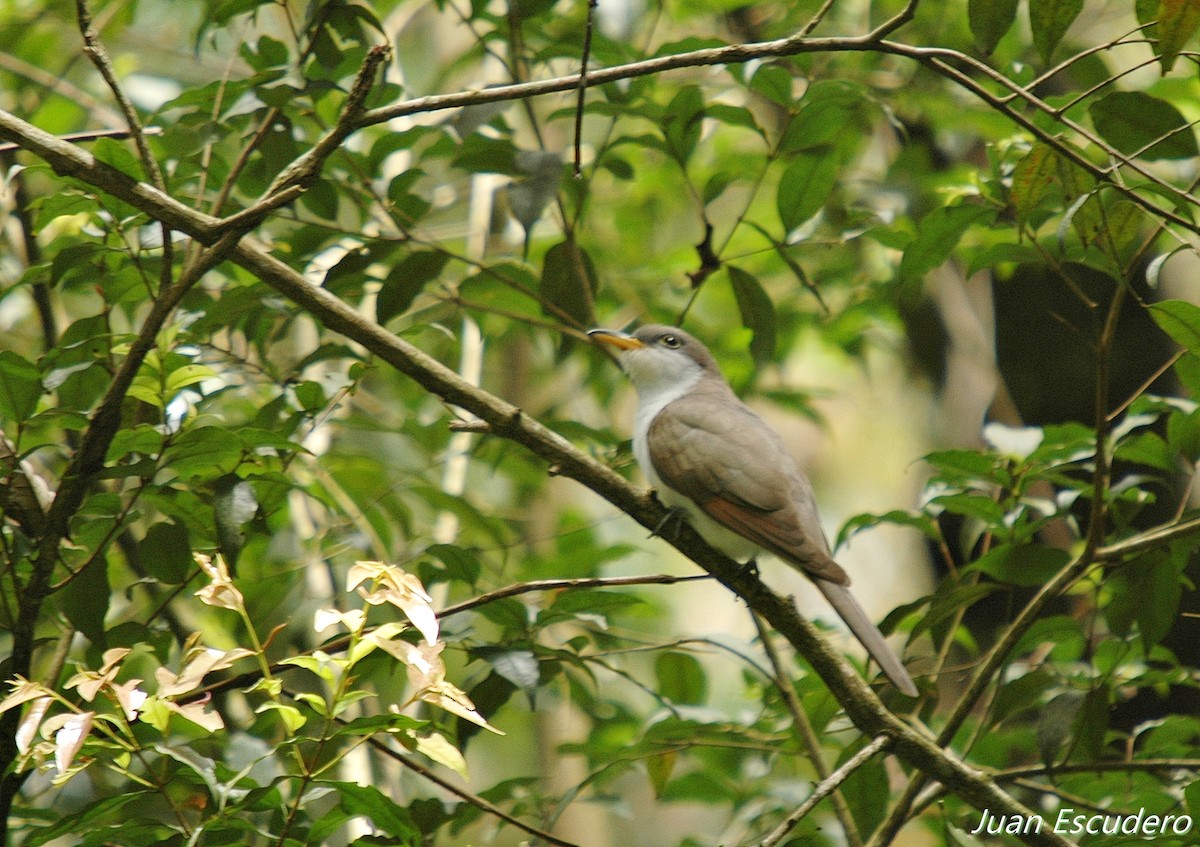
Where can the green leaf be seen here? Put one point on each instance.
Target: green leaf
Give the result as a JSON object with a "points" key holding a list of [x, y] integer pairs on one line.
{"points": [[827, 111], [773, 81], [1022, 564], [1049, 20], [1183, 434], [166, 553], [20, 387], [377, 807], [460, 564], [757, 311], [84, 600], [937, 235], [990, 20], [406, 280], [1033, 180], [1177, 22], [1180, 320], [716, 185], [1055, 723], [867, 791], [568, 283], [321, 199], [806, 185], [682, 121], [681, 678], [659, 769], [481, 154], [1147, 591], [1138, 124], [592, 602], [234, 505]]}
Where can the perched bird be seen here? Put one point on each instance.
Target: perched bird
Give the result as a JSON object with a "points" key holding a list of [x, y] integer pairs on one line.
{"points": [[707, 454]]}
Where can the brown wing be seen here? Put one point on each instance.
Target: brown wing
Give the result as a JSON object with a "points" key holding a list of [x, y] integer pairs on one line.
{"points": [[711, 448]]}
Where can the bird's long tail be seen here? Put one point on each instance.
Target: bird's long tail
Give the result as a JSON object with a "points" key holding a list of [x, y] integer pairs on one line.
{"points": [[865, 631]]}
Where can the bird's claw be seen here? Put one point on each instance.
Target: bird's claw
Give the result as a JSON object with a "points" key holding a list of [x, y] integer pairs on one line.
{"points": [[675, 515]]}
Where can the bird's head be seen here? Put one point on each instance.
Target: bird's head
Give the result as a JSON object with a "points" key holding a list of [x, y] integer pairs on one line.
{"points": [[658, 357]]}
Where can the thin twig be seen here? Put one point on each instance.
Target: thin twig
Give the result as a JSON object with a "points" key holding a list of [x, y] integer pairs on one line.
{"points": [[99, 56], [827, 787], [474, 799], [807, 735], [583, 85], [90, 135], [308, 166]]}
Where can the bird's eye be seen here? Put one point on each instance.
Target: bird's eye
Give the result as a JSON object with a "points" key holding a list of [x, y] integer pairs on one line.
{"points": [[671, 341]]}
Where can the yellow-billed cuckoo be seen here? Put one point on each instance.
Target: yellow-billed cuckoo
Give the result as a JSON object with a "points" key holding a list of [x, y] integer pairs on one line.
{"points": [[708, 454]]}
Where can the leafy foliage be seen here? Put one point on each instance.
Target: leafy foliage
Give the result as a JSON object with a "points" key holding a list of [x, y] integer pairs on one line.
{"points": [[233, 515]]}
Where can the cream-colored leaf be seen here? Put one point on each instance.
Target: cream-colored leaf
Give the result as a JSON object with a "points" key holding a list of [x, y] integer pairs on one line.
{"points": [[28, 728], [68, 740]]}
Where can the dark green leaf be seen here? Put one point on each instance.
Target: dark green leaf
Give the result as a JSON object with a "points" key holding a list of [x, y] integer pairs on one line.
{"points": [[321, 199], [757, 311], [20, 387], [84, 600], [806, 185], [234, 505], [461, 564], [592, 601], [1049, 20], [867, 792], [568, 283], [94, 818], [990, 20], [375, 806], [406, 280], [716, 185], [1055, 723], [1146, 448], [488, 696], [682, 121], [1022, 564], [1138, 124], [166, 553], [737, 116]]}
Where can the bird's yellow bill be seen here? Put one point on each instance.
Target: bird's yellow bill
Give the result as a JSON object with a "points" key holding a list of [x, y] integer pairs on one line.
{"points": [[620, 340]]}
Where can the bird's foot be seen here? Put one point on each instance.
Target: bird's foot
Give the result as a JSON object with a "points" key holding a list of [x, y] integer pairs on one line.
{"points": [[750, 568], [674, 517]]}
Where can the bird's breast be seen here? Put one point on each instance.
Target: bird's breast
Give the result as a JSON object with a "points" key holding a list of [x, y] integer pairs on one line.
{"points": [[725, 540]]}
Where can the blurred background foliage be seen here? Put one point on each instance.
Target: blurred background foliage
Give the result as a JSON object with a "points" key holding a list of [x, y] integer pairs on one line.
{"points": [[880, 258]]}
